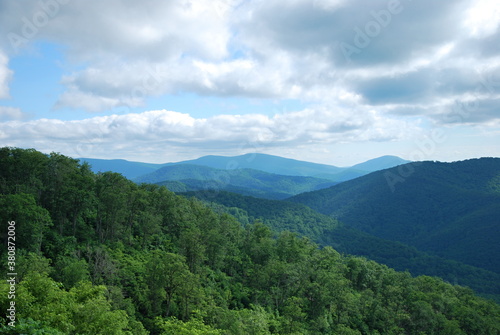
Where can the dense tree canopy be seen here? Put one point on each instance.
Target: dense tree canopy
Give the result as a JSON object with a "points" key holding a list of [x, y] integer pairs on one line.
{"points": [[450, 210], [324, 230], [98, 254]]}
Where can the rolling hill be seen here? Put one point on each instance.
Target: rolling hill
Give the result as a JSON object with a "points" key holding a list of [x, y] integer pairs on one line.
{"points": [[266, 163], [326, 231], [128, 169], [449, 209], [256, 161], [379, 163], [293, 167], [97, 253], [186, 177]]}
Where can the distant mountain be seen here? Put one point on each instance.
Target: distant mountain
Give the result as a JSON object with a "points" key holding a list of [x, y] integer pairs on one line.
{"points": [[256, 161], [345, 175], [128, 169], [186, 177], [379, 163], [264, 162], [449, 209], [293, 167], [324, 230]]}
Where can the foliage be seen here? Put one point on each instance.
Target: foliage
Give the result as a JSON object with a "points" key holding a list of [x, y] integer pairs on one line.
{"points": [[173, 326], [29, 326], [186, 177], [325, 230], [122, 258], [450, 210]]}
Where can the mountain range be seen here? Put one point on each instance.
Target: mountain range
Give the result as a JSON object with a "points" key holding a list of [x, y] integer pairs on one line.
{"points": [[118, 256], [449, 209], [431, 218], [187, 177], [128, 169], [255, 174], [256, 161]]}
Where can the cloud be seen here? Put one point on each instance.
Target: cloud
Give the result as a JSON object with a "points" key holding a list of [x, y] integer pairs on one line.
{"points": [[5, 76], [115, 43], [152, 29], [129, 84], [428, 84], [384, 32], [162, 131], [482, 18], [399, 58], [11, 113], [472, 112]]}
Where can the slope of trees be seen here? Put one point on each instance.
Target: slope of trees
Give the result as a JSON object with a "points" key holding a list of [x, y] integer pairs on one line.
{"points": [[447, 209], [112, 257], [244, 181], [326, 231]]}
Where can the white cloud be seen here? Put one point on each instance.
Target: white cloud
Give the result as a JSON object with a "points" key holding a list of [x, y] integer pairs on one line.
{"points": [[5, 76], [482, 18], [117, 84], [124, 51], [11, 113], [155, 132], [152, 29]]}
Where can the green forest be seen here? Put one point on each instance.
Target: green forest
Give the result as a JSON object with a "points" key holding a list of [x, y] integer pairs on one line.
{"points": [[327, 231], [187, 177], [448, 209], [100, 254]]}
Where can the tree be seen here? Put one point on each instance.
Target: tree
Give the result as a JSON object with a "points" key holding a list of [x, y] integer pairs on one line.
{"points": [[82, 310], [31, 222], [93, 314], [29, 326], [168, 278], [22, 171], [112, 191], [173, 326]]}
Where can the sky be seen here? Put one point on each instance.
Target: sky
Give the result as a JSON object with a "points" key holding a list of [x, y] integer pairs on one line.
{"points": [[328, 81]]}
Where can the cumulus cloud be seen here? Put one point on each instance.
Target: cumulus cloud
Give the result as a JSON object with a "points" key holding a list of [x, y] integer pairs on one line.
{"points": [[5, 76], [11, 113], [385, 59], [383, 32], [119, 42], [152, 29], [160, 131]]}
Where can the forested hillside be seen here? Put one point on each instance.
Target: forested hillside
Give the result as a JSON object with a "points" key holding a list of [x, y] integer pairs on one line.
{"points": [[254, 161], [266, 163], [326, 231], [99, 254], [128, 169], [187, 177], [449, 209]]}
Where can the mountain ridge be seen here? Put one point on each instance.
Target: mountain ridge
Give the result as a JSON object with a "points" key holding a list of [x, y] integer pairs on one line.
{"points": [[257, 161], [448, 209], [100, 253], [243, 180], [327, 231]]}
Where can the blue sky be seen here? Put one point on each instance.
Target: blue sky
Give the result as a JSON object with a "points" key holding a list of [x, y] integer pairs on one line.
{"points": [[331, 81]]}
